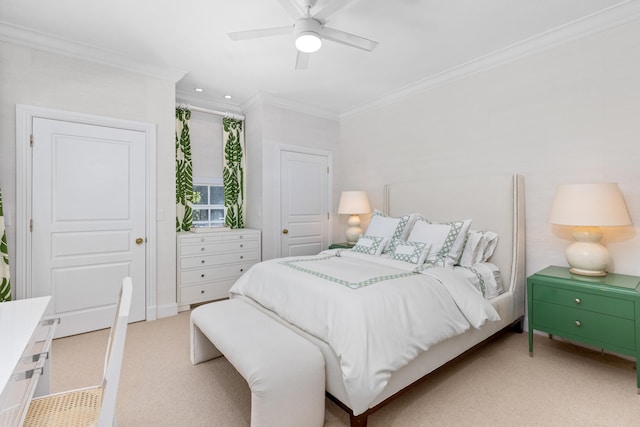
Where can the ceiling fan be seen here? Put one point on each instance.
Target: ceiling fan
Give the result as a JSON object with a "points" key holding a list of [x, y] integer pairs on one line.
{"points": [[309, 30]]}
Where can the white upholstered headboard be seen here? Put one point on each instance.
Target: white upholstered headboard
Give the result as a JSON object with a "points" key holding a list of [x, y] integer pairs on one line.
{"points": [[494, 203]]}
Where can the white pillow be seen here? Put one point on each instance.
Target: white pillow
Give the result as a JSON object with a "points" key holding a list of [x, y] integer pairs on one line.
{"points": [[388, 227], [370, 245], [489, 243], [447, 240], [478, 248], [412, 252]]}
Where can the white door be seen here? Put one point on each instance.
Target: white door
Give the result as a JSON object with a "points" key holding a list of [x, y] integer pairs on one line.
{"points": [[88, 213], [304, 192]]}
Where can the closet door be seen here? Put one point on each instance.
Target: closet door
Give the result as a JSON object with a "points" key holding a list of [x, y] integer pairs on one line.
{"points": [[304, 192]]}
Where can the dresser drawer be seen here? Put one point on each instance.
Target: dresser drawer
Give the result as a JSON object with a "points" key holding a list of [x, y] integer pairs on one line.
{"points": [[611, 306], [220, 259], [206, 291], [202, 275], [219, 237], [218, 247], [596, 328]]}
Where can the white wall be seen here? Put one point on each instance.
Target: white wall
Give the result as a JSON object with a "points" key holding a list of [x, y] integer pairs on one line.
{"points": [[567, 115], [33, 77]]}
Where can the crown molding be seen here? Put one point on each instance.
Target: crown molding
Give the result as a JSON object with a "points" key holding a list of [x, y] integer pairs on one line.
{"points": [[619, 14], [41, 41], [203, 101]]}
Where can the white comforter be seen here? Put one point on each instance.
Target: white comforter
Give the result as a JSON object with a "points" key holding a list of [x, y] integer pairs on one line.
{"points": [[375, 313]]}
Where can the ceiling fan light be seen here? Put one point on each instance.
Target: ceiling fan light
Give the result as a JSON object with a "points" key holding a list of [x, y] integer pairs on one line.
{"points": [[308, 42]]}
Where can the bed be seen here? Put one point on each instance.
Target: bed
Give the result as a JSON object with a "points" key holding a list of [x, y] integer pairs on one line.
{"points": [[491, 203]]}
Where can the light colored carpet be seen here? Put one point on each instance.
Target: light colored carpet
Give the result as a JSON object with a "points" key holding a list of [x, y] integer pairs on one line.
{"points": [[496, 385]]}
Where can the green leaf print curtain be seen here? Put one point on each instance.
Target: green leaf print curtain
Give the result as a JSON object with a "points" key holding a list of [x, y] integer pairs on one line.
{"points": [[5, 284], [184, 171], [233, 172]]}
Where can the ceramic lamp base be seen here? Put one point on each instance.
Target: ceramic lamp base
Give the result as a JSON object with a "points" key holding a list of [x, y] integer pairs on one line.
{"points": [[354, 231], [586, 256]]}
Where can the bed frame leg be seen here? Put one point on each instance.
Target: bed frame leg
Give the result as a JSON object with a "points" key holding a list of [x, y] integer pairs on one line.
{"points": [[359, 420], [518, 326]]}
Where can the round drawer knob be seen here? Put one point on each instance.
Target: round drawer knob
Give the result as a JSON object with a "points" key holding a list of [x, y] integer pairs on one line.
{"points": [[241, 270], [202, 262], [578, 300], [578, 323], [202, 275], [202, 249], [202, 291], [241, 257]]}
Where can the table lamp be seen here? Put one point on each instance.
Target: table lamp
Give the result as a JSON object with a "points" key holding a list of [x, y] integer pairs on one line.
{"points": [[353, 203], [587, 207]]}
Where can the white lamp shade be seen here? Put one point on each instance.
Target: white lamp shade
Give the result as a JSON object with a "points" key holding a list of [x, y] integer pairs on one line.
{"points": [[354, 203], [589, 205]]}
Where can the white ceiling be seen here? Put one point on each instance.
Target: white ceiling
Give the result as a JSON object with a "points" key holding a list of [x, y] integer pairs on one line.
{"points": [[421, 41]]}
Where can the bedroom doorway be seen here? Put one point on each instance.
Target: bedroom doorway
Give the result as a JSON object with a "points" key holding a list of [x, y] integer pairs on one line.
{"points": [[304, 208], [87, 226]]}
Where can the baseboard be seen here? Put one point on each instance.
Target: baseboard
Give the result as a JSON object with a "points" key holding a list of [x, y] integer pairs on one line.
{"points": [[166, 310]]}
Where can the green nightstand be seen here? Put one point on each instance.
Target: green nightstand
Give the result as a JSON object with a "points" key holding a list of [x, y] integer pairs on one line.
{"points": [[599, 311], [343, 245]]}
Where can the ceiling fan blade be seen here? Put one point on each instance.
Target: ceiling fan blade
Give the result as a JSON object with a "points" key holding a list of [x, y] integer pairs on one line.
{"points": [[348, 39], [293, 8], [330, 9], [302, 60], [264, 32]]}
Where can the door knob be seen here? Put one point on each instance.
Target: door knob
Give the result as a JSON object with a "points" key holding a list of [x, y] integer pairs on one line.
{"points": [[285, 231], [139, 241]]}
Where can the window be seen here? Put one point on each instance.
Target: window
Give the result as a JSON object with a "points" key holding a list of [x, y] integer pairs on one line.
{"points": [[208, 203]]}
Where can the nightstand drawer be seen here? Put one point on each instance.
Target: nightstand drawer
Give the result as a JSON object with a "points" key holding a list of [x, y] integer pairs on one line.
{"points": [[596, 328], [611, 306]]}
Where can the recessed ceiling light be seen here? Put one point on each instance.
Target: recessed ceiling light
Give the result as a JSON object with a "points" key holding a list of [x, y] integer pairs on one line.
{"points": [[198, 89], [227, 97]]}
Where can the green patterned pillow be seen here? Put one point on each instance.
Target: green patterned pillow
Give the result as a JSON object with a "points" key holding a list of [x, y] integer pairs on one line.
{"points": [[447, 240], [412, 252], [370, 245], [389, 227]]}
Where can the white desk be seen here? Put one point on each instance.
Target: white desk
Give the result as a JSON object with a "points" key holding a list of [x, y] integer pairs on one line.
{"points": [[24, 356]]}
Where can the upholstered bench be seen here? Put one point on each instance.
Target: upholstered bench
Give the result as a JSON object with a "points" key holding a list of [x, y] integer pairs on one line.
{"points": [[285, 372]]}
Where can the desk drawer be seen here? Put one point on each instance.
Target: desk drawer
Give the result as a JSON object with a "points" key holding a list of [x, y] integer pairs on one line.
{"points": [[595, 328], [610, 306]]}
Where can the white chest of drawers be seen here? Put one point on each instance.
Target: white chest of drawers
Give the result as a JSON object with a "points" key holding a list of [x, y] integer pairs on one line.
{"points": [[209, 263]]}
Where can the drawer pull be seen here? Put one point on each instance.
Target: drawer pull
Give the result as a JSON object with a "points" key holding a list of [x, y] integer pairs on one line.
{"points": [[241, 270], [578, 323], [242, 246], [202, 262], [202, 249], [241, 256], [202, 275], [202, 291], [578, 300]]}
